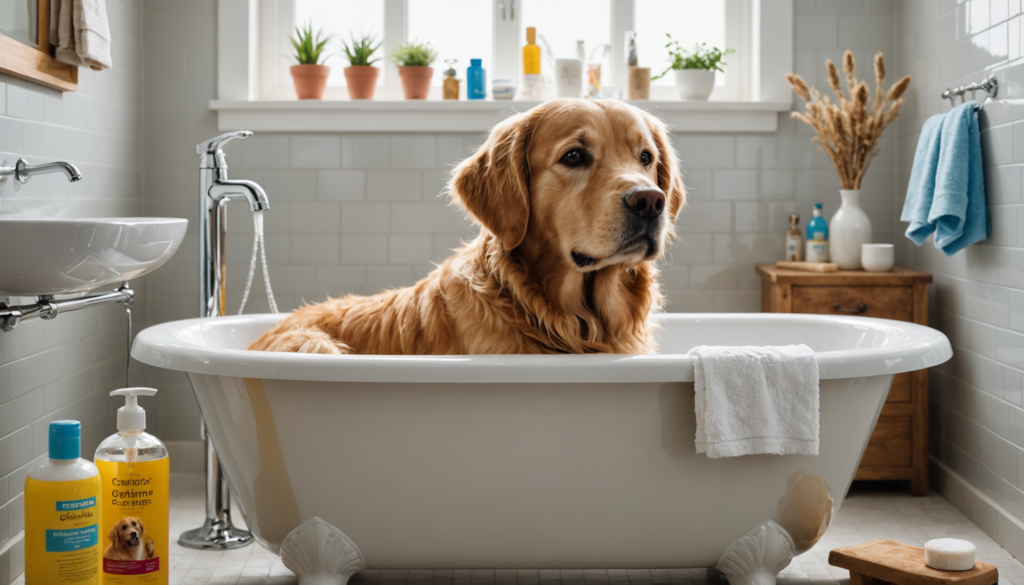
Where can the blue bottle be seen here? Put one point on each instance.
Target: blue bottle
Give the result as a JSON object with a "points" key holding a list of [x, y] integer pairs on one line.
{"points": [[476, 80], [817, 237]]}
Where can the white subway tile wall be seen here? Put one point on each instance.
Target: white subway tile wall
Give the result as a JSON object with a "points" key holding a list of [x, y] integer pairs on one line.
{"points": [[65, 368], [976, 417]]}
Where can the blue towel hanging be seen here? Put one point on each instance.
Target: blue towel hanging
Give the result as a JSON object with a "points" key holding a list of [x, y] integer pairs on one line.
{"points": [[946, 193], [921, 188]]}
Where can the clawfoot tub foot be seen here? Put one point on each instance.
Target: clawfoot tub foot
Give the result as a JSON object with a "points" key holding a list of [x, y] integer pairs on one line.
{"points": [[320, 554], [757, 557]]}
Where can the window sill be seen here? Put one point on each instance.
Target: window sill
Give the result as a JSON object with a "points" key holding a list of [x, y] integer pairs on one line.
{"points": [[469, 116]]}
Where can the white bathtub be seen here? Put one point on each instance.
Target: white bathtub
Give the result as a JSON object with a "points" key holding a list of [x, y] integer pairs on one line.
{"points": [[563, 461]]}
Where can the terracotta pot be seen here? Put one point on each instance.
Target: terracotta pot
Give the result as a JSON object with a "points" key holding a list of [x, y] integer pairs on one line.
{"points": [[310, 80], [416, 81], [362, 81]]}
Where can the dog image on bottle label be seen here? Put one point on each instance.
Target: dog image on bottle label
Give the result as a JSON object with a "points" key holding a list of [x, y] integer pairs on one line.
{"points": [[129, 542]]}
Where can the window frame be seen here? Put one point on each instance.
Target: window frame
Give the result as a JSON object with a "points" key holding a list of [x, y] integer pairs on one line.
{"points": [[238, 107], [276, 23]]}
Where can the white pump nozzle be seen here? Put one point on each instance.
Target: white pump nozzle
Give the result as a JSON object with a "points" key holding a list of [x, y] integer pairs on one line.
{"points": [[131, 416]]}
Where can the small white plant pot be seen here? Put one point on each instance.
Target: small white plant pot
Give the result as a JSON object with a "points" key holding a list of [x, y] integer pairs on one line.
{"points": [[695, 84]]}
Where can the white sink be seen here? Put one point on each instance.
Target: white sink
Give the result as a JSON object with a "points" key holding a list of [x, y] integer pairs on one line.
{"points": [[63, 256]]}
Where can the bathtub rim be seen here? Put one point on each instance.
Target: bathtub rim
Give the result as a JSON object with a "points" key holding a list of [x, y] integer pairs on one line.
{"points": [[160, 346]]}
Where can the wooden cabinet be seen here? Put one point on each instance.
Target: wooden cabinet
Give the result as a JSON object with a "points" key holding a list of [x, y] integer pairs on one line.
{"points": [[899, 444]]}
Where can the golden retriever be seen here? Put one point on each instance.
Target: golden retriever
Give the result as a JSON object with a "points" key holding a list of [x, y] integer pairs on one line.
{"points": [[576, 199], [128, 541]]}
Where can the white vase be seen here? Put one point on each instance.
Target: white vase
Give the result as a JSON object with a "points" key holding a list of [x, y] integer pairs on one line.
{"points": [[695, 84], [848, 231]]}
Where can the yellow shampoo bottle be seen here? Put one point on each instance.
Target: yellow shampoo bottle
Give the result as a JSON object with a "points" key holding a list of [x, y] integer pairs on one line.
{"points": [[531, 53], [62, 513], [135, 472]]}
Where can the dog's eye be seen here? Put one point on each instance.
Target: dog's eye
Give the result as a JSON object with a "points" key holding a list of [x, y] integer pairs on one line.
{"points": [[125, 527], [646, 158], [574, 158]]}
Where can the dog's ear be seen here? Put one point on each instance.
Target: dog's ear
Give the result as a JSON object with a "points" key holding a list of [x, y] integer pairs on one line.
{"points": [[670, 178], [493, 185], [142, 527], [112, 536]]}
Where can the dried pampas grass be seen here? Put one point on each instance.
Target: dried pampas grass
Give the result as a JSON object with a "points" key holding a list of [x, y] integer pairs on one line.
{"points": [[848, 130]]}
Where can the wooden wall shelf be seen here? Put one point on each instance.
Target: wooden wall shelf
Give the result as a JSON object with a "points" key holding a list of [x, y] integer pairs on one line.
{"points": [[36, 64]]}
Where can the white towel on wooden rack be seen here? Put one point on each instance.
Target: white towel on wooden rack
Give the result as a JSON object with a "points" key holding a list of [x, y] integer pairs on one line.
{"points": [[80, 31]]}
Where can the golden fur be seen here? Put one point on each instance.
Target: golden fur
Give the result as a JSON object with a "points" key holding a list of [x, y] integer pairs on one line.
{"points": [[128, 541], [517, 288]]}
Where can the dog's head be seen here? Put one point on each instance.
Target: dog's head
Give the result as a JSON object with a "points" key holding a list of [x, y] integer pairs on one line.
{"points": [[595, 181], [127, 533]]}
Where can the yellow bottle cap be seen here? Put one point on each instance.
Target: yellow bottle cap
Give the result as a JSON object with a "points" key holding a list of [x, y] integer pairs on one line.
{"points": [[531, 35]]}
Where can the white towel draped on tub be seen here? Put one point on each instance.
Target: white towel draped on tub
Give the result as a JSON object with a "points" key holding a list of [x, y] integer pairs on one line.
{"points": [[81, 33], [752, 400]]}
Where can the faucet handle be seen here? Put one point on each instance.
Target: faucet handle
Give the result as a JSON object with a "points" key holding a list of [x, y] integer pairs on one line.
{"points": [[212, 145]]}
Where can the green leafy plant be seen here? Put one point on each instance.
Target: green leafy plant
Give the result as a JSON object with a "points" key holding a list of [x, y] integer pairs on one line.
{"points": [[309, 46], [413, 54], [701, 57], [360, 50]]}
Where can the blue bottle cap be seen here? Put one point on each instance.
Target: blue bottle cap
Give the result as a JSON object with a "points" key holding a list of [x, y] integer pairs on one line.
{"points": [[475, 62], [65, 439], [817, 205]]}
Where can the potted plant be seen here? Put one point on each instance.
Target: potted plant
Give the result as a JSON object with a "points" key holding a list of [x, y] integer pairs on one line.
{"points": [[413, 60], [308, 75], [695, 70], [848, 130], [361, 75]]}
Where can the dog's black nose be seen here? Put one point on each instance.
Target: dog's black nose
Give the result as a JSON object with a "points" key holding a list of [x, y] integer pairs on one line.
{"points": [[134, 535], [647, 203]]}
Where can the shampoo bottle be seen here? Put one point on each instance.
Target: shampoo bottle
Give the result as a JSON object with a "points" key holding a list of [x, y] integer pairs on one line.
{"points": [[135, 470], [817, 237], [476, 80], [531, 53], [62, 515]]}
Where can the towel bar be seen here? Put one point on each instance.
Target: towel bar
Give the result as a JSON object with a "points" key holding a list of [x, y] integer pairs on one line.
{"points": [[990, 85]]}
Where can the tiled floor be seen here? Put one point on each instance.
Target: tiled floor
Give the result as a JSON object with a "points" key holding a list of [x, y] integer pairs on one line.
{"points": [[870, 512]]}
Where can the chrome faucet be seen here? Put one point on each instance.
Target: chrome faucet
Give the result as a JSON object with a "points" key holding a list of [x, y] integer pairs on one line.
{"points": [[22, 171], [215, 191]]}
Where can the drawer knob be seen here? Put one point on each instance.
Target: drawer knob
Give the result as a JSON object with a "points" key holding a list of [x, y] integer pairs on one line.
{"points": [[860, 309]]}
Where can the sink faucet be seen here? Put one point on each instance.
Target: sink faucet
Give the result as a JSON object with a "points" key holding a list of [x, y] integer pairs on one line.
{"points": [[215, 191], [22, 171]]}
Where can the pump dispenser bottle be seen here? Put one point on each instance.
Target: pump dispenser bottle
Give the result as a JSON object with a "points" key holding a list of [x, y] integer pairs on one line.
{"points": [[817, 237], [135, 470], [63, 530]]}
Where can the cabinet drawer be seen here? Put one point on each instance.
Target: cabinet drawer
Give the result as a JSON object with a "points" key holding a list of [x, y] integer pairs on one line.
{"points": [[885, 302], [890, 444], [901, 390]]}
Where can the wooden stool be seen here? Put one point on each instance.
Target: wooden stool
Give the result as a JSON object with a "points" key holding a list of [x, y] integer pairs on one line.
{"points": [[880, 562]]}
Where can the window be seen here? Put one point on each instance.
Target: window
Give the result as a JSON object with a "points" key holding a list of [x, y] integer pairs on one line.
{"points": [[561, 23], [688, 21], [457, 29], [342, 19], [495, 31]]}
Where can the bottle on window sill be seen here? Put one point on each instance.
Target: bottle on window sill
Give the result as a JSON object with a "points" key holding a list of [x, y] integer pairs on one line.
{"points": [[450, 89], [476, 80]]}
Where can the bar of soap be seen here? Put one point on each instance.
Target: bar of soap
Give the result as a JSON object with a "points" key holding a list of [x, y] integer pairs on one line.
{"points": [[949, 554]]}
